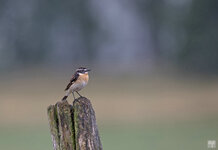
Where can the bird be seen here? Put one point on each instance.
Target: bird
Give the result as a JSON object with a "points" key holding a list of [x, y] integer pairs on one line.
{"points": [[78, 81]]}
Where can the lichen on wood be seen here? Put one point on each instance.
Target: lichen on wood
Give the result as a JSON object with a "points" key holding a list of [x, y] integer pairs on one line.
{"points": [[73, 127], [86, 130], [53, 122], [65, 125]]}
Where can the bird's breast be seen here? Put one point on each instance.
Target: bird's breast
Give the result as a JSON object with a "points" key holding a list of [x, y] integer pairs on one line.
{"points": [[84, 78], [82, 81]]}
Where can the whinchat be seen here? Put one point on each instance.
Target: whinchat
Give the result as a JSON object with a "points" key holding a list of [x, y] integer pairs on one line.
{"points": [[78, 81]]}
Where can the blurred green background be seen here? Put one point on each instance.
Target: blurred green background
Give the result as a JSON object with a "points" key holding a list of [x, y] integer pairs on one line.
{"points": [[154, 77]]}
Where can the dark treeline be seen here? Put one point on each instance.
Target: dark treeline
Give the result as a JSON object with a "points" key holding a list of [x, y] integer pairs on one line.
{"points": [[110, 32]]}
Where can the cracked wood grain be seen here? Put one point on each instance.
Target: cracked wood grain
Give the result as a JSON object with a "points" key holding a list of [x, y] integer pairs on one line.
{"points": [[74, 127]]}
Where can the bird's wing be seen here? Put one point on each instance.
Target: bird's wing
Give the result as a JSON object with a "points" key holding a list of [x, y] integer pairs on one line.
{"points": [[73, 79]]}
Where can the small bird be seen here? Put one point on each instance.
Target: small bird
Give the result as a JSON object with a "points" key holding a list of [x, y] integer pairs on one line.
{"points": [[78, 81]]}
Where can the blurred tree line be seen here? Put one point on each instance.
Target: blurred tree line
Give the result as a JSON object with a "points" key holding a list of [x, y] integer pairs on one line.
{"points": [[200, 49], [184, 33], [35, 32]]}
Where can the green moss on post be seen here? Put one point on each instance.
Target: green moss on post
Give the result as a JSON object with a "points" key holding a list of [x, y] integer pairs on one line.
{"points": [[65, 126], [86, 130], [74, 127], [53, 122]]}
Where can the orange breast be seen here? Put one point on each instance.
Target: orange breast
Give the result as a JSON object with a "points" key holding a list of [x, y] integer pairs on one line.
{"points": [[84, 77]]}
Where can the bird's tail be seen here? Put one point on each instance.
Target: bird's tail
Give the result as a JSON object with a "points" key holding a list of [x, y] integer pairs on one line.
{"points": [[64, 98]]}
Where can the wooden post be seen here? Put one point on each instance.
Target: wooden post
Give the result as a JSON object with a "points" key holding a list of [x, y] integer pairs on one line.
{"points": [[73, 127]]}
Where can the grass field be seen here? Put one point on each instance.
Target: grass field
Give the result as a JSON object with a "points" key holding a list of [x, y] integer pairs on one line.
{"points": [[155, 111], [160, 136]]}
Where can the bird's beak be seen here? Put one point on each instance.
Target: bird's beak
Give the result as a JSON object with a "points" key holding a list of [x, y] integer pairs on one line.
{"points": [[88, 70]]}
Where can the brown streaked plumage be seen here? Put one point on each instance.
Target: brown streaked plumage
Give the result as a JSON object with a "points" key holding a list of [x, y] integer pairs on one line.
{"points": [[73, 79], [78, 81]]}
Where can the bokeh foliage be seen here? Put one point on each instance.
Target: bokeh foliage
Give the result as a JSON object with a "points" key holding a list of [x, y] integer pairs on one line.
{"points": [[181, 33]]}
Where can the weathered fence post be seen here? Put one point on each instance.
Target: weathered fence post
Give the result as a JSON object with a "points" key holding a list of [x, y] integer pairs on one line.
{"points": [[73, 127]]}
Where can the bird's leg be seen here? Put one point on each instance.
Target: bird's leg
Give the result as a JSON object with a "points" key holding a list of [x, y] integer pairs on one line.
{"points": [[73, 95], [78, 93]]}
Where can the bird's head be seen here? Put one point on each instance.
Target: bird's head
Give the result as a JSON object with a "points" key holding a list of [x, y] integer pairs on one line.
{"points": [[82, 70]]}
